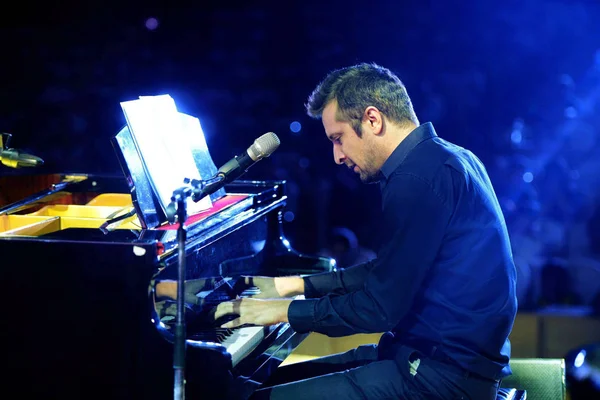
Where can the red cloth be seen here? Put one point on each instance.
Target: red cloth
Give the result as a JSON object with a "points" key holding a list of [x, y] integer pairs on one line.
{"points": [[217, 206]]}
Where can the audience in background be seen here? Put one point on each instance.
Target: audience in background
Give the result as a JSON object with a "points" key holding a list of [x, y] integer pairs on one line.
{"points": [[556, 287], [343, 246]]}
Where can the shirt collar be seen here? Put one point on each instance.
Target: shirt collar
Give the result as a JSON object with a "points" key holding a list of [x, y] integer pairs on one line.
{"points": [[418, 135]]}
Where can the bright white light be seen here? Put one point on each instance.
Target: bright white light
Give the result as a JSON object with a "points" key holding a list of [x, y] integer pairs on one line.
{"points": [[579, 359], [163, 138], [139, 251]]}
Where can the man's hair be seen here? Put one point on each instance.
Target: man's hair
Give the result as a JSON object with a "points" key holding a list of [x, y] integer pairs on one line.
{"points": [[359, 86]]}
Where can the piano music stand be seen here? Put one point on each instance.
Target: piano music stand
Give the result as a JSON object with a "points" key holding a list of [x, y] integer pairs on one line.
{"points": [[151, 206], [152, 212]]}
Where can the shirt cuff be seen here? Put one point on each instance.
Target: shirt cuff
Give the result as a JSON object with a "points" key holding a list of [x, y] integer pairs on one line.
{"points": [[318, 285], [301, 315]]}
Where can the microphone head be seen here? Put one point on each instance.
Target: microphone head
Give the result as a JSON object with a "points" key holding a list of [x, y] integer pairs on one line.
{"points": [[13, 159], [264, 146]]}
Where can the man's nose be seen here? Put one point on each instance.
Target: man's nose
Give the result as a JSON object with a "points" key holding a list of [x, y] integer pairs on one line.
{"points": [[338, 156]]}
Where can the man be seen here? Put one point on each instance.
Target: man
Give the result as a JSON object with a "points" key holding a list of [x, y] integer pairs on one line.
{"points": [[443, 285]]}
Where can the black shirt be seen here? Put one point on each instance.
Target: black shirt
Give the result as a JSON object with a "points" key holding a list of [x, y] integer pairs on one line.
{"points": [[445, 274]]}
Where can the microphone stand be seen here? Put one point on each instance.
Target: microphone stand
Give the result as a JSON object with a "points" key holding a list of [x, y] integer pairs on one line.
{"points": [[177, 210], [179, 206], [206, 187]]}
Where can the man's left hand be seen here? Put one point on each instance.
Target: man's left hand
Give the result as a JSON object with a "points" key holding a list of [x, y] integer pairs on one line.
{"points": [[254, 311]]}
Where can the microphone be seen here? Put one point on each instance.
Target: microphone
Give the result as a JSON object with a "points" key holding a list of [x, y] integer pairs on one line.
{"points": [[13, 159], [262, 147]]}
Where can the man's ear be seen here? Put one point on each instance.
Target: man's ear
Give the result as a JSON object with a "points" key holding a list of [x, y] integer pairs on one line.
{"points": [[373, 119]]}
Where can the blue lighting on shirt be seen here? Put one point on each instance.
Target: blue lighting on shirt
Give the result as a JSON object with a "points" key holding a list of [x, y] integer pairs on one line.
{"points": [[571, 112], [528, 177]]}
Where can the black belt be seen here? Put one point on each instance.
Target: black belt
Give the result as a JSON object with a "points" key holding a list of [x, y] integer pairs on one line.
{"points": [[439, 355]]}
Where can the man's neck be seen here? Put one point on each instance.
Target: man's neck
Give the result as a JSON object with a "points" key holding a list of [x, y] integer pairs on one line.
{"points": [[395, 135]]}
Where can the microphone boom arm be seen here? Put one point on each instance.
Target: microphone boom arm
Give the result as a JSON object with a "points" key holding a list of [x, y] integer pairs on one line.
{"points": [[13, 158], [207, 187]]}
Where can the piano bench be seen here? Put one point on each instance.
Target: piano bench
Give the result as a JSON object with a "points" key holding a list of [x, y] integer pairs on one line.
{"points": [[511, 394], [543, 378]]}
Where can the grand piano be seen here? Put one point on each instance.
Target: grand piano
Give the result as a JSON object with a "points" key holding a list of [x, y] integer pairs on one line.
{"points": [[80, 256]]}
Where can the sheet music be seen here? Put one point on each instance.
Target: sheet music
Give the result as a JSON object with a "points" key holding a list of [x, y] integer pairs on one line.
{"points": [[161, 135]]}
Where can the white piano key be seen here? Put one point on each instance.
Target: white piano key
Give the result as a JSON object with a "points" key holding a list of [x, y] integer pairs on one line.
{"points": [[242, 341]]}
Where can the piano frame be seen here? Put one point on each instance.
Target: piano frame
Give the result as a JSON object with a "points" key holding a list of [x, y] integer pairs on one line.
{"points": [[83, 322]]}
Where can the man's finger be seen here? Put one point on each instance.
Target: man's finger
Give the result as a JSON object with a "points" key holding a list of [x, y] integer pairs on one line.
{"points": [[227, 307], [233, 323], [237, 306]]}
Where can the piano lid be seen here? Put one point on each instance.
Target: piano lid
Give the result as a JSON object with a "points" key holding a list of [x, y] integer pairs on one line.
{"points": [[150, 203]]}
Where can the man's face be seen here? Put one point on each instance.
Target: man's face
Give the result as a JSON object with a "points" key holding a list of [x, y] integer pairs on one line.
{"points": [[357, 153]]}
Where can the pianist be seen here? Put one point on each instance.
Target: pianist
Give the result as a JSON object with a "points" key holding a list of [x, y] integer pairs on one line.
{"points": [[443, 285]]}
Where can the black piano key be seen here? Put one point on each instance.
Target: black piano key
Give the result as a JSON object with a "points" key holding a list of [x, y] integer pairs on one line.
{"points": [[217, 335]]}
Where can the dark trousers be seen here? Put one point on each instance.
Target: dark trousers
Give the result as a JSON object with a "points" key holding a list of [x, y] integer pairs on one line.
{"points": [[362, 374]]}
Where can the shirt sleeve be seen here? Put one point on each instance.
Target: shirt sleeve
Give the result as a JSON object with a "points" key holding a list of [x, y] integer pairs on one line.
{"points": [[415, 221], [341, 281]]}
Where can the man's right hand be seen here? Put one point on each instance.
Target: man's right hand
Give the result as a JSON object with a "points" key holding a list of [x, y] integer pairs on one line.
{"points": [[275, 288], [167, 289]]}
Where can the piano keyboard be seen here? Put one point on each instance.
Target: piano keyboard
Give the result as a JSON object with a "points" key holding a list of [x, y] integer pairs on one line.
{"points": [[242, 341], [239, 342]]}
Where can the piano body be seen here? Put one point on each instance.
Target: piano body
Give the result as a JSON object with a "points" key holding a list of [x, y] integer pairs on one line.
{"points": [[81, 319]]}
